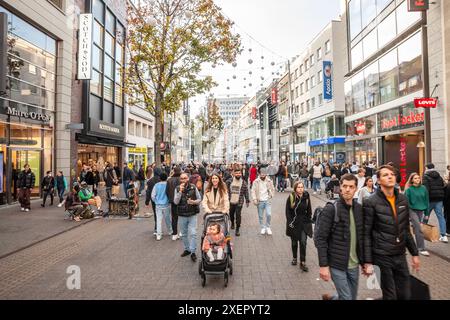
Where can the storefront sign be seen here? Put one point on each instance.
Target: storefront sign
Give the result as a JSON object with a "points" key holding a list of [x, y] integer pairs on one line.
{"points": [[327, 81], [340, 157], [138, 150], [403, 161], [1, 172], [254, 113], [360, 128], [418, 5], [106, 128], [29, 115], [85, 47], [425, 102], [398, 121], [331, 140], [274, 96]]}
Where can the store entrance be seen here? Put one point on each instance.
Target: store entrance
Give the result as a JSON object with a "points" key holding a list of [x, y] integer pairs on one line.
{"points": [[19, 158]]}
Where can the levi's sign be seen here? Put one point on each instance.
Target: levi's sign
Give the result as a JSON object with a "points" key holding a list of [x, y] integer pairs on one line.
{"points": [[85, 47], [418, 5], [425, 102]]}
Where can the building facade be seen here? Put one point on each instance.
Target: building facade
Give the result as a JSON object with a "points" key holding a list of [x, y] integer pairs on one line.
{"points": [[36, 76], [391, 53], [267, 106], [317, 97], [248, 140]]}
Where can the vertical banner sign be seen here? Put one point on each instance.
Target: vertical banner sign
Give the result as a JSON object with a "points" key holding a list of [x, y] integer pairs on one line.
{"points": [[3, 51], [85, 47], [274, 96], [254, 113], [261, 118], [418, 5], [327, 80], [185, 108]]}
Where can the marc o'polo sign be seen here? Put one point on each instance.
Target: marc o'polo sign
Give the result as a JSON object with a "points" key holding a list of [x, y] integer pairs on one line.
{"points": [[29, 115], [85, 47], [418, 5]]}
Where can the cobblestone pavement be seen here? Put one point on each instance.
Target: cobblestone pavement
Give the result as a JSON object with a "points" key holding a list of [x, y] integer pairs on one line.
{"points": [[120, 259]]}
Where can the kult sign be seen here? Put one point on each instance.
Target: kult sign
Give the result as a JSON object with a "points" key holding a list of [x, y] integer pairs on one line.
{"points": [[327, 81]]}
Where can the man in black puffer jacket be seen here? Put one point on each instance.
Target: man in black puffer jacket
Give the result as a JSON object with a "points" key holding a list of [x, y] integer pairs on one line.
{"points": [[340, 243], [150, 185], [387, 235], [435, 185]]}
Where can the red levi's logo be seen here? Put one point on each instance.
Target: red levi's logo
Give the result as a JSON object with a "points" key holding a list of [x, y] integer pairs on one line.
{"points": [[425, 102]]}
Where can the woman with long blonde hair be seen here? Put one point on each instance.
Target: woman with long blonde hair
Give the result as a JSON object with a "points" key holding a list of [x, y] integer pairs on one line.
{"points": [[418, 201]]}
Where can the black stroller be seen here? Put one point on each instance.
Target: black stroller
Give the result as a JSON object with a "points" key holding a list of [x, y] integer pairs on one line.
{"points": [[217, 267]]}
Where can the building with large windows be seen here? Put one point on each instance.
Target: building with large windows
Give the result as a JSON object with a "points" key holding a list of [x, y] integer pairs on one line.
{"points": [[386, 64], [36, 78]]}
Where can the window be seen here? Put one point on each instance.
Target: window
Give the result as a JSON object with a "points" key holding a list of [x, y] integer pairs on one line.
{"points": [[119, 95], [98, 34], [110, 22], [320, 76], [327, 46], [319, 54], [307, 85], [296, 73], [296, 92], [369, 11], [97, 61], [312, 60], [320, 99], [313, 103], [302, 88], [138, 129], [109, 44], [144, 131], [98, 9], [302, 107], [58, 3], [358, 92], [388, 76], [370, 44], [307, 105], [386, 30], [354, 10], [131, 127], [306, 64], [301, 69], [109, 67], [96, 83], [382, 4], [348, 98], [405, 18], [108, 89], [371, 80], [313, 81], [357, 55], [410, 65]]}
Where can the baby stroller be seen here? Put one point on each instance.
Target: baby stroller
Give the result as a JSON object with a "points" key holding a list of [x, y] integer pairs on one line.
{"points": [[333, 189], [217, 267]]}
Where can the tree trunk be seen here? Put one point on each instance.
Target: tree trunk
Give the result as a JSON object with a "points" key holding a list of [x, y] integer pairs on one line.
{"points": [[159, 125]]}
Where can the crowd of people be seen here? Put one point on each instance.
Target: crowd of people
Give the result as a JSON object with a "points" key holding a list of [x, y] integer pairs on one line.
{"points": [[368, 224]]}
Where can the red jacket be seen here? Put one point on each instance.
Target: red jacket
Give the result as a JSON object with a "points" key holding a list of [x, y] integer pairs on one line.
{"points": [[253, 174]]}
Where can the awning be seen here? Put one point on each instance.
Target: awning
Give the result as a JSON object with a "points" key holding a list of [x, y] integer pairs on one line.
{"points": [[81, 138]]}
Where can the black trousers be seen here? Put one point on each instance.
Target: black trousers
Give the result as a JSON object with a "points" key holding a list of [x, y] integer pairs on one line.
{"points": [[174, 214], [295, 246], [46, 194], [447, 217], [235, 211], [394, 282], [154, 212]]}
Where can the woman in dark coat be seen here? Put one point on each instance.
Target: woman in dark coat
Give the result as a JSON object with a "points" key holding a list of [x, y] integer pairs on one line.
{"points": [[298, 222]]}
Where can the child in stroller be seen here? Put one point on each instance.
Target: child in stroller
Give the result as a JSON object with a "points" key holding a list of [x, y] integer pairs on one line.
{"points": [[332, 189], [216, 248]]}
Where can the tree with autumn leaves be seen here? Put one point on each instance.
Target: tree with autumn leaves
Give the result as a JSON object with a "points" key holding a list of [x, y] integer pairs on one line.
{"points": [[168, 42]]}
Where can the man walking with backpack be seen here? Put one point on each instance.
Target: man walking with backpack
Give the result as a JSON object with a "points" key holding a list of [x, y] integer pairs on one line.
{"points": [[237, 191], [339, 241], [387, 235]]}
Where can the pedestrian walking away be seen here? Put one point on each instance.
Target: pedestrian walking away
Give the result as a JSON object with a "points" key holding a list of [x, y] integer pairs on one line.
{"points": [[339, 241], [187, 199], [150, 185], [159, 196], [387, 235], [61, 187], [298, 222], [48, 188], [262, 194], [237, 192]]}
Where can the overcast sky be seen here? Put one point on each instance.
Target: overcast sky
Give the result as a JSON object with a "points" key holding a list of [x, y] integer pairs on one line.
{"points": [[282, 26]]}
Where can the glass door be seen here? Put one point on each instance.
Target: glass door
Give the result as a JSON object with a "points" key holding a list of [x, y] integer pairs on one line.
{"points": [[33, 158]]}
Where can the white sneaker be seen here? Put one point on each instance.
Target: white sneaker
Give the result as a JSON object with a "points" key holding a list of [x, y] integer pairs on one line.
{"points": [[425, 253], [154, 233], [180, 235], [314, 192], [158, 237], [60, 205], [175, 237], [26, 210], [263, 231], [22, 209], [269, 231], [443, 239]]}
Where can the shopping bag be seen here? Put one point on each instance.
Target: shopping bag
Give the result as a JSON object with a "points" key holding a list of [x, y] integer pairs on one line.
{"points": [[430, 232], [115, 190], [419, 289]]}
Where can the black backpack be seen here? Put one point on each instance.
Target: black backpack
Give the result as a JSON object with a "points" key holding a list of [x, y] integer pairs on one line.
{"points": [[317, 217]]}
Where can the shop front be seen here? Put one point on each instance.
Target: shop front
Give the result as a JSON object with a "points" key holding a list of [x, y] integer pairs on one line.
{"points": [[138, 156], [361, 140], [329, 149]]}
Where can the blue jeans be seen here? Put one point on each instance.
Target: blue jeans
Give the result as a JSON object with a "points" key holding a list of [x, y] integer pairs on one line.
{"points": [[281, 183], [125, 186], [326, 180], [346, 283], [163, 211], [61, 194], [316, 184], [438, 209], [141, 186], [305, 182], [188, 227], [264, 205]]}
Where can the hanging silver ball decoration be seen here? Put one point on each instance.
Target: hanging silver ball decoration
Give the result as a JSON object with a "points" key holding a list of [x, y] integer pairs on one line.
{"points": [[228, 88], [262, 78], [250, 61], [249, 49], [245, 79], [272, 63], [262, 57], [234, 64], [249, 84], [262, 68], [249, 72], [234, 77], [245, 87], [213, 65], [273, 73]]}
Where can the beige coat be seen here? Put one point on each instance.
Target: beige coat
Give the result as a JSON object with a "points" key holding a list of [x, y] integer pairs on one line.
{"points": [[256, 186], [222, 204]]}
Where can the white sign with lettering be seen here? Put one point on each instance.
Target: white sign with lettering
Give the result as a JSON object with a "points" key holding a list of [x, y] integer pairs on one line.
{"points": [[85, 47]]}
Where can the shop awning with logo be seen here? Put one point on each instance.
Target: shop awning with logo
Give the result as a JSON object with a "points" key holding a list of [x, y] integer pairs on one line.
{"points": [[84, 139]]}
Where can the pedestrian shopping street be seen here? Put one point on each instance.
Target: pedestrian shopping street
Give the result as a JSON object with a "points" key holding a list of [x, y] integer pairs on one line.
{"points": [[120, 259]]}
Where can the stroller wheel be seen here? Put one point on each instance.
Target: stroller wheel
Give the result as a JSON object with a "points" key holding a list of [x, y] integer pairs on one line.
{"points": [[200, 267], [225, 279], [203, 279]]}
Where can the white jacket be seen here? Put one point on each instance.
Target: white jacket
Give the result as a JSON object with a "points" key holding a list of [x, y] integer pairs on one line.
{"points": [[256, 195], [317, 171]]}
